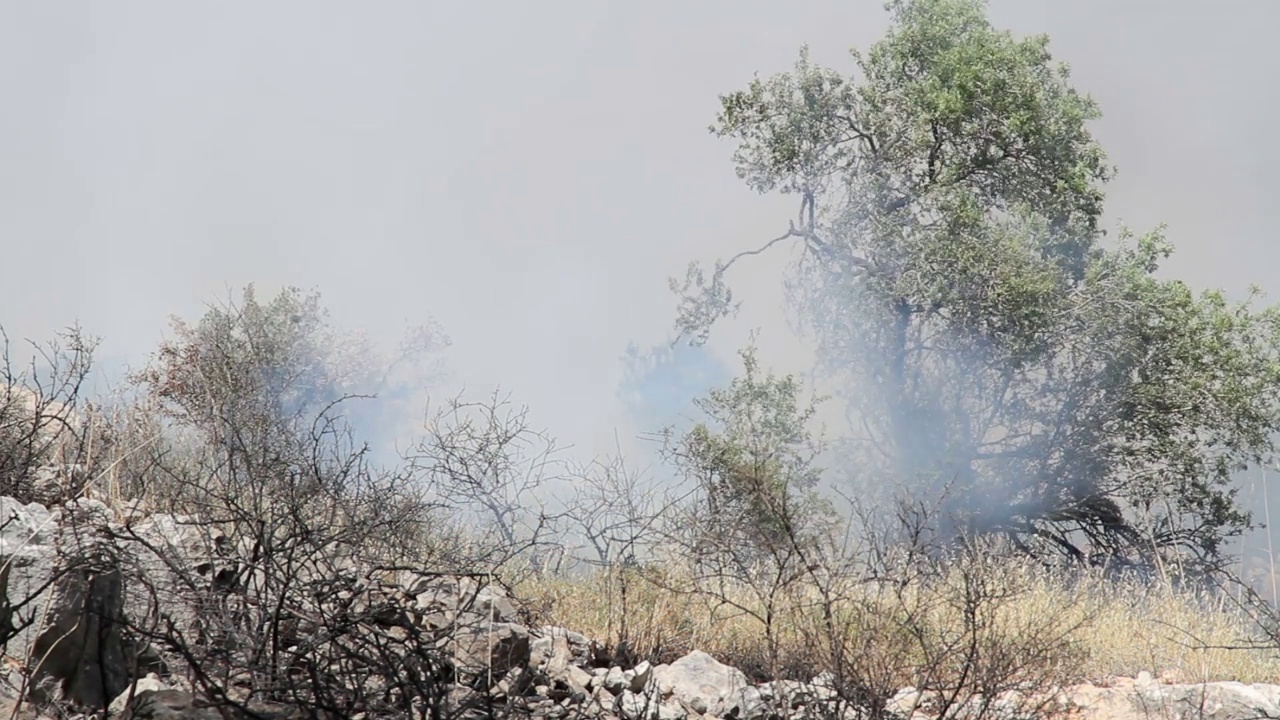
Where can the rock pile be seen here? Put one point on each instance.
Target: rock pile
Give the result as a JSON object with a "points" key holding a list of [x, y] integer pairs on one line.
{"points": [[69, 649]]}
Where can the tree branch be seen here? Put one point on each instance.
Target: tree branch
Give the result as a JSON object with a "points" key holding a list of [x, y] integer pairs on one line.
{"points": [[790, 233]]}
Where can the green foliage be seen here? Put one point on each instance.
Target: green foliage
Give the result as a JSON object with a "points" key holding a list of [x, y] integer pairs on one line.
{"points": [[754, 462], [248, 395], [280, 361], [995, 349], [272, 358]]}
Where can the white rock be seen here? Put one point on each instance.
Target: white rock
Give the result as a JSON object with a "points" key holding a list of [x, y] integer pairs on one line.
{"points": [[701, 683], [579, 677], [634, 706], [615, 681], [640, 676], [149, 683]]}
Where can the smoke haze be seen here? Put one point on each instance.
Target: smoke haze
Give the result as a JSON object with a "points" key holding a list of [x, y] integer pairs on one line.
{"points": [[528, 175]]}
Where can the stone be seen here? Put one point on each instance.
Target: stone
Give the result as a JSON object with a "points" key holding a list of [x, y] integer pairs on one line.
{"points": [[558, 658], [179, 705], [615, 681], [640, 676], [150, 683], [459, 599], [751, 703], [672, 711], [58, 565], [700, 683], [578, 647], [634, 706], [491, 650], [906, 700], [170, 705], [28, 537]]}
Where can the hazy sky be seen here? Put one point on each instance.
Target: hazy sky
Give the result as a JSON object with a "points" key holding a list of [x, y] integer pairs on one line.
{"points": [[528, 173]]}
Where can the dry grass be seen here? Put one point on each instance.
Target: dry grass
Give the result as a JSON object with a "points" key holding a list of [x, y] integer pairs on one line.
{"points": [[1190, 636], [1110, 629]]}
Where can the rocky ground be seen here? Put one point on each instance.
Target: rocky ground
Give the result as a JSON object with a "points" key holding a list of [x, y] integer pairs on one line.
{"points": [[69, 661]]}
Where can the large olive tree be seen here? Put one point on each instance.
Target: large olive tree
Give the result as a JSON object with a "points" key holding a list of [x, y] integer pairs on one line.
{"points": [[997, 349]]}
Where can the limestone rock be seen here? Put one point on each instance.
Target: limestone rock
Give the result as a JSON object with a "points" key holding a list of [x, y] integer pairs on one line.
{"points": [[490, 650], [150, 683], [700, 683]]}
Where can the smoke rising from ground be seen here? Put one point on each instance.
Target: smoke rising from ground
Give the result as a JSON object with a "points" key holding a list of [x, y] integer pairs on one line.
{"points": [[529, 178]]}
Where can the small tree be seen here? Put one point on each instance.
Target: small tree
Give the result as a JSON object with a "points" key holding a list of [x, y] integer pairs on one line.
{"points": [[485, 464], [274, 581], [46, 435], [751, 523], [279, 358], [753, 461]]}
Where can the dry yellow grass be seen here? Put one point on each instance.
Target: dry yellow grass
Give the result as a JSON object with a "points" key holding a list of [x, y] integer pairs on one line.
{"points": [[1106, 629], [1179, 634], [1109, 629]]}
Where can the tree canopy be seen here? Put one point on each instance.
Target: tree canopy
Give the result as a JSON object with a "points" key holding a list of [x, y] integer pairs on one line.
{"points": [[271, 363], [995, 346]]}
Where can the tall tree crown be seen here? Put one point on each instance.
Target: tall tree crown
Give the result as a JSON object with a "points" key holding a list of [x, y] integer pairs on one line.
{"points": [[993, 344]]}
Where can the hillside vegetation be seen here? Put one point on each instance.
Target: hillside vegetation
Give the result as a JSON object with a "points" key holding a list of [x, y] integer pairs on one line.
{"points": [[1036, 488]]}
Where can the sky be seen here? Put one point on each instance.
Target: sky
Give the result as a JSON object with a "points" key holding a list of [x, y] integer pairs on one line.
{"points": [[527, 174]]}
